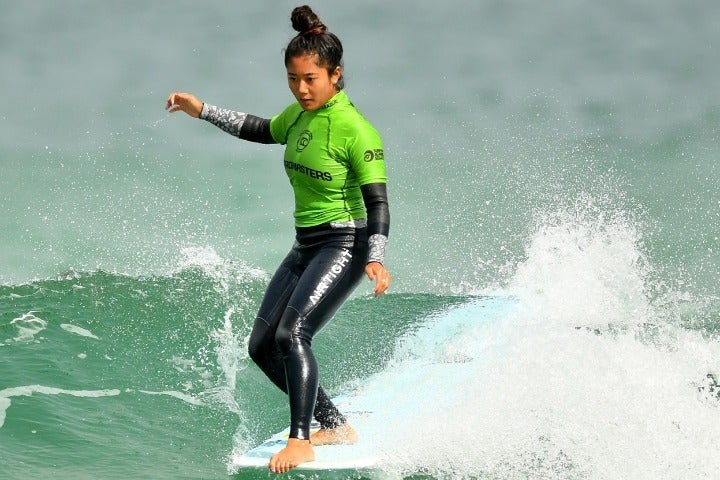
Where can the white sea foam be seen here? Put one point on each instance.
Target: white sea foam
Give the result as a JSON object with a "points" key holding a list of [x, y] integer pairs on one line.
{"points": [[28, 390], [230, 348], [585, 379], [179, 395], [227, 349], [27, 325], [4, 405], [78, 330], [217, 268]]}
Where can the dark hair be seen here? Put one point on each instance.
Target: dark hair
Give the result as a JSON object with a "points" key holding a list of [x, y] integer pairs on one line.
{"points": [[314, 38]]}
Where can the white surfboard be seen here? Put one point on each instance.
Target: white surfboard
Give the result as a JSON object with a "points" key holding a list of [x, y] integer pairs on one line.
{"points": [[359, 457], [366, 405], [327, 457]]}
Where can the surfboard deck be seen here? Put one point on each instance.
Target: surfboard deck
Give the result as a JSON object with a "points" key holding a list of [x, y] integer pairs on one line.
{"points": [[365, 406], [358, 457]]}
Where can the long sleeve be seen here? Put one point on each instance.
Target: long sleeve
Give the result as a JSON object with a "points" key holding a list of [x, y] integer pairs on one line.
{"points": [[238, 124], [378, 218]]}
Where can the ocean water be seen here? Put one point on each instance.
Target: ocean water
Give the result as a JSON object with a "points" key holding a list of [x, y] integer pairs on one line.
{"points": [[563, 154]]}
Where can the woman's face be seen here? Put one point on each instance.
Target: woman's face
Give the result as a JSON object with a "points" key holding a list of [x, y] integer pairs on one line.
{"points": [[310, 83]]}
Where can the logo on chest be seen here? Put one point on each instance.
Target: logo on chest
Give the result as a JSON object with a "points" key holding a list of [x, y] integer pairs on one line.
{"points": [[303, 140], [293, 163]]}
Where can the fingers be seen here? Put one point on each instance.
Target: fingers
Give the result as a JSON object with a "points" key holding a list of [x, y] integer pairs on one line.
{"points": [[186, 102], [172, 105], [381, 286], [375, 271]]}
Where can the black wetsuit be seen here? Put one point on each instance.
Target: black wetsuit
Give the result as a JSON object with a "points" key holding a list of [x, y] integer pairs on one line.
{"points": [[335, 157]]}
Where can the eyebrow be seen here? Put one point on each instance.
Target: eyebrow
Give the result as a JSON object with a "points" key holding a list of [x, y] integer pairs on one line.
{"points": [[308, 74]]}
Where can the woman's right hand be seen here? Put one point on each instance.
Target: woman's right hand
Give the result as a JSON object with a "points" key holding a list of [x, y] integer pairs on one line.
{"points": [[186, 102]]}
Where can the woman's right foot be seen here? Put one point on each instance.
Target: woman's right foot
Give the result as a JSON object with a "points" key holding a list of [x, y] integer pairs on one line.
{"points": [[342, 435], [295, 453]]}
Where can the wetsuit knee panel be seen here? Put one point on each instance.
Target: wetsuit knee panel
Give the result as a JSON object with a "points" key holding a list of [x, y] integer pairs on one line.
{"points": [[259, 346], [286, 330], [256, 349]]}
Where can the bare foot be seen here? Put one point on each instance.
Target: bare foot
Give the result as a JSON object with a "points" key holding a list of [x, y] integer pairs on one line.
{"points": [[344, 434], [295, 452]]}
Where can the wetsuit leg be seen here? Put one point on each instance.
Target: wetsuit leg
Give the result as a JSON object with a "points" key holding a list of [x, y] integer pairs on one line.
{"points": [[266, 354], [330, 277], [264, 349]]}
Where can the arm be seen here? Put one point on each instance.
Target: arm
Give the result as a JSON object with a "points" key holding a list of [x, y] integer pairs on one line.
{"points": [[376, 204], [241, 125]]}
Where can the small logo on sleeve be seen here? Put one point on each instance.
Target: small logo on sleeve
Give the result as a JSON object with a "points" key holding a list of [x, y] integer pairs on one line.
{"points": [[375, 154]]}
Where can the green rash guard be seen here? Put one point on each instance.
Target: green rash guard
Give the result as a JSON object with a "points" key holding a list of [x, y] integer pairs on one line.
{"points": [[329, 154]]}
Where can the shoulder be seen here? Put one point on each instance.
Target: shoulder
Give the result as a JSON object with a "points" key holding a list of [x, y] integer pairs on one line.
{"points": [[291, 112], [354, 136], [350, 122], [281, 123]]}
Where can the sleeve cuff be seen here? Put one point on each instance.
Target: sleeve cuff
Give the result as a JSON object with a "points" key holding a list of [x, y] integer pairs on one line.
{"points": [[377, 243], [205, 111]]}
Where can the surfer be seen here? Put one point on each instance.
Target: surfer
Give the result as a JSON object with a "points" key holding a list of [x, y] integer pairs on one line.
{"points": [[335, 162]]}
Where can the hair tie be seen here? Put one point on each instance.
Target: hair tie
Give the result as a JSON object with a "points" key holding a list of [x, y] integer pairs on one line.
{"points": [[318, 29]]}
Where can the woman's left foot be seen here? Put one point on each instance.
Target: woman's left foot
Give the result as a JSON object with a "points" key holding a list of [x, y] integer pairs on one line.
{"points": [[344, 434], [295, 452]]}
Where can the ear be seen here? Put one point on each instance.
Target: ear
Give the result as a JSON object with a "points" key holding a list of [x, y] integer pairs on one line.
{"points": [[335, 77]]}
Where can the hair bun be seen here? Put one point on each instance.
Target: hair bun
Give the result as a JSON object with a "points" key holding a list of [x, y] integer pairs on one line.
{"points": [[305, 21]]}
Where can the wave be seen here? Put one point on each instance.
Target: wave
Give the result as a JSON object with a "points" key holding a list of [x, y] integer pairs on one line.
{"points": [[596, 373], [590, 376]]}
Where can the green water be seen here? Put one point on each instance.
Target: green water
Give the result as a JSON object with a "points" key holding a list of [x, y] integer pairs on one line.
{"points": [[562, 153]]}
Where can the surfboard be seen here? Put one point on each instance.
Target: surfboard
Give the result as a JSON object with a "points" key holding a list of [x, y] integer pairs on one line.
{"points": [[327, 457], [357, 458], [366, 406]]}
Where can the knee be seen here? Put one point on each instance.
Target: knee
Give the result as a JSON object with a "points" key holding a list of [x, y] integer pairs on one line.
{"points": [[258, 350], [255, 350], [283, 339], [288, 331]]}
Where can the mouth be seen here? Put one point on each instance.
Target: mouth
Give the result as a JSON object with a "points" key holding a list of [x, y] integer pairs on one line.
{"points": [[307, 103]]}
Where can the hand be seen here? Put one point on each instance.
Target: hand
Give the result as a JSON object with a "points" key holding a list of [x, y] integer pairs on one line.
{"points": [[186, 102], [376, 271]]}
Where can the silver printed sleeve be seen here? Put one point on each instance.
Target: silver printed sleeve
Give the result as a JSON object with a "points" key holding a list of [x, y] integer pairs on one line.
{"points": [[227, 120], [377, 244]]}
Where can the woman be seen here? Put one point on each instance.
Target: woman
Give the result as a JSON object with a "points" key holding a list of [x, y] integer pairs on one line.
{"points": [[334, 160]]}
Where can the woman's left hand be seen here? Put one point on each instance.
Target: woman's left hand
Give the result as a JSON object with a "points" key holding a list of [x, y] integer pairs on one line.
{"points": [[376, 271]]}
